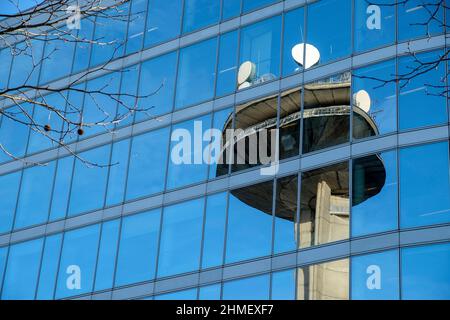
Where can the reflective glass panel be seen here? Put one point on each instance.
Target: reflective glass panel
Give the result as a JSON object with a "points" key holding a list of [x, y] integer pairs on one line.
{"points": [[136, 25], [14, 131], [227, 65], [84, 46], [293, 38], [200, 13], [424, 185], [181, 238], [9, 189], [249, 5], [163, 21], [61, 188], [374, 100], [196, 73], [425, 273], [260, 53], [190, 294], [283, 285], [230, 8], [374, 24], [3, 255], [375, 189], [249, 206], [138, 248], [49, 267], [324, 205], [22, 270], [254, 288], [26, 63], [329, 29], [118, 172], [218, 165], [376, 276], [58, 56], [290, 112], [148, 159], [78, 260], [210, 292]]}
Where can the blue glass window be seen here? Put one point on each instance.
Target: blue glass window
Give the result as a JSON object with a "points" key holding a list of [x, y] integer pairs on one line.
{"points": [[227, 69], [329, 28], [250, 206], [49, 267], [3, 255], [425, 272], [214, 232], [9, 189], [255, 288], [249, 5], [157, 85], [104, 277], [283, 285], [200, 13], [163, 21], [6, 58], [209, 292], [78, 259], [294, 34], [222, 119], [35, 193], [83, 47], [421, 86], [375, 199], [128, 95], [179, 250], [286, 220], [26, 63], [190, 294], [58, 55], [379, 115], [186, 163], [376, 276], [22, 270], [136, 25], [61, 188], [147, 163], [196, 73], [89, 181], [260, 45], [138, 248], [230, 9], [118, 172], [424, 185], [374, 24], [13, 132], [414, 19]]}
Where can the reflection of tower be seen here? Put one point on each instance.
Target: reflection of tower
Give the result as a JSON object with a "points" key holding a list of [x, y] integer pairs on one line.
{"points": [[324, 201]]}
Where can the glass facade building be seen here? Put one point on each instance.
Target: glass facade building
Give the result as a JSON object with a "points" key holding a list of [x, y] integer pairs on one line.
{"points": [[359, 207]]}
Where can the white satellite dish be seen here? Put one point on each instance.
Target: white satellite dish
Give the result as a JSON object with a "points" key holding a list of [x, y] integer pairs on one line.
{"points": [[311, 54], [244, 85], [247, 72], [362, 100]]}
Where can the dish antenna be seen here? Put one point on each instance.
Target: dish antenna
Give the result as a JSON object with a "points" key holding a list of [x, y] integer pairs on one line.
{"points": [[246, 73], [362, 100], [306, 55]]}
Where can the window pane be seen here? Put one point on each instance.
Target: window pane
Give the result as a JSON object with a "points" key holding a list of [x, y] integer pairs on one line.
{"points": [[3, 255], [326, 114], [414, 19], [157, 85], [136, 25], [255, 288], [77, 265], [138, 248], [89, 182], [374, 102], [148, 160], [186, 163], [35, 193], [326, 281], [190, 294], [329, 28], [249, 5], [290, 112], [324, 210], [286, 221], [375, 199], [421, 90], [374, 24], [181, 237], [26, 63], [421, 166], [214, 232], [128, 96], [83, 47], [61, 188], [58, 56], [218, 165], [22, 270], [230, 9], [163, 21], [118, 172], [227, 69], [294, 35], [9, 189], [107, 255], [49, 267], [13, 133], [376, 276], [6, 58], [196, 73], [200, 13], [260, 52], [283, 285], [210, 292], [250, 206], [425, 273]]}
